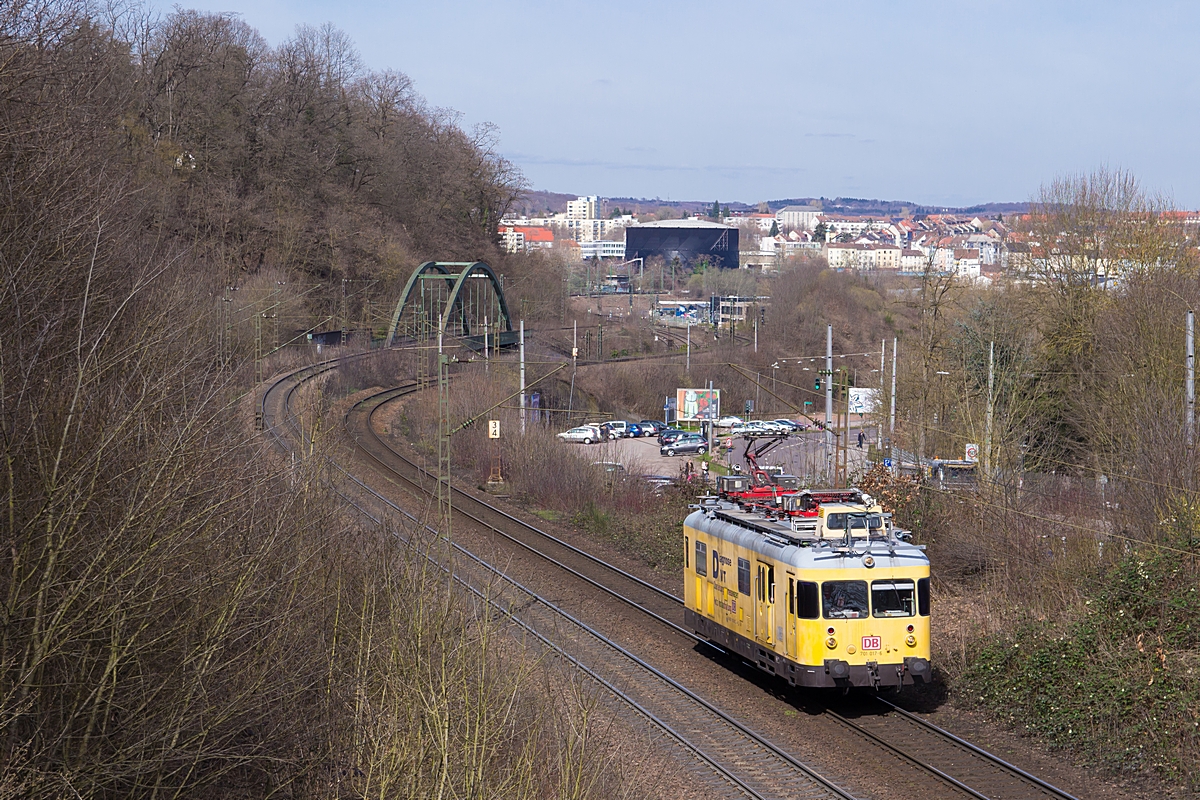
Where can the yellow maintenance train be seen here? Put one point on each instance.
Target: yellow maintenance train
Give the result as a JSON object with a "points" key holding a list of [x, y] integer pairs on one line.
{"points": [[818, 588]]}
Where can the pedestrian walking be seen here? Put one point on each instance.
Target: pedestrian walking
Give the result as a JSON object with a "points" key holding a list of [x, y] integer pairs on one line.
{"points": [[704, 471], [861, 439]]}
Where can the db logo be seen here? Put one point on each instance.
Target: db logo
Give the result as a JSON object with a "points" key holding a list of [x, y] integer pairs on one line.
{"points": [[872, 643]]}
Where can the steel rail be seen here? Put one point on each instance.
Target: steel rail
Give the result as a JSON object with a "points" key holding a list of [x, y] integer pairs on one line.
{"points": [[1049, 788], [826, 787], [1043, 787], [388, 395], [459, 493], [917, 761]]}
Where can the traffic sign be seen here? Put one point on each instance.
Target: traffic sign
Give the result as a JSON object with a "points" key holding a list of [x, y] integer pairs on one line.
{"points": [[887, 462], [972, 452], [493, 429]]}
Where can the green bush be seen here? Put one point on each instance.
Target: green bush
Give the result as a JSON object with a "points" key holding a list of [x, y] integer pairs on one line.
{"points": [[1120, 684]]}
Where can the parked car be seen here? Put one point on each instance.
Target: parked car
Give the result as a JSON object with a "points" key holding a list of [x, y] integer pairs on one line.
{"points": [[613, 429], [789, 424], [729, 422], [670, 435], [658, 481], [759, 428], [652, 427], [688, 443], [585, 434], [632, 430]]}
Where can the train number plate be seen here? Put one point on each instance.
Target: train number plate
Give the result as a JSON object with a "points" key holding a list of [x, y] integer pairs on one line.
{"points": [[871, 643]]}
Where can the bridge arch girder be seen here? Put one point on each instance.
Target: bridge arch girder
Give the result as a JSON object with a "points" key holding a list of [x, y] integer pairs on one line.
{"points": [[455, 281]]}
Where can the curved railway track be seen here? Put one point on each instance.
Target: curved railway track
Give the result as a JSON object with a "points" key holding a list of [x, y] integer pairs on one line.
{"points": [[746, 764], [964, 769]]}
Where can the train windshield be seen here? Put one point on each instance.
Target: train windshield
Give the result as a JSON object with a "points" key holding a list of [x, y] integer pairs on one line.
{"points": [[859, 524], [844, 599], [892, 598]]}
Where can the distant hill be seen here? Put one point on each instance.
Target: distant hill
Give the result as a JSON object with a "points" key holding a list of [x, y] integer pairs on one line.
{"points": [[858, 206], [855, 206], [534, 203]]}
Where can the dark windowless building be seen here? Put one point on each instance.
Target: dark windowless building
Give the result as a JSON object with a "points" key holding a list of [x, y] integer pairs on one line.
{"points": [[689, 240]]}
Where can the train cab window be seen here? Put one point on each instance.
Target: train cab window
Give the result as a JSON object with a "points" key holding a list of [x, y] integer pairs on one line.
{"points": [[808, 605], [923, 597], [875, 523], [845, 599], [743, 576], [892, 598], [771, 584], [701, 557]]}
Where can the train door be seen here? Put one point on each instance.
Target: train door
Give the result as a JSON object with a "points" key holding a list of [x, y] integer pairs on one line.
{"points": [[789, 627], [764, 600], [701, 566]]}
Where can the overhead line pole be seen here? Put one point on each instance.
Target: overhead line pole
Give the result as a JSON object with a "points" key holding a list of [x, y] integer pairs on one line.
{"points": [[882, 375], [828, 402], [991, 407], [892, 420], [522, 377], [1191, 379]]}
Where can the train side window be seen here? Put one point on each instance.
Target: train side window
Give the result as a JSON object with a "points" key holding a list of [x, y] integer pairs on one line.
{"points": [[687, 555], [808, 605], [771, 584], [791, 598], [923, 597], [743, 576], [701, 557]]}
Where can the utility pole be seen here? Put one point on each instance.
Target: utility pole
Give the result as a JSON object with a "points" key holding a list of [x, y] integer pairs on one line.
{"points": [[828, 403], [522, 377], [1191, 378], [343, 312], [689, 348], [487, 362], [991, 407], [879, 428], [756, 335], [892, 421], [574, 364], [258, 364], [444, 499]]}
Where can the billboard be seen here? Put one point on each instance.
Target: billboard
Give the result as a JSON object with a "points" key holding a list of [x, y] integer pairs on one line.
{"points": [[863, 401], [696, 405]]}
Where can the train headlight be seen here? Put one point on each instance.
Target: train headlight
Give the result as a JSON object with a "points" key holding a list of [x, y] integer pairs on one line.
{"points": [[868, 561], [831, 642], [911, 641]]}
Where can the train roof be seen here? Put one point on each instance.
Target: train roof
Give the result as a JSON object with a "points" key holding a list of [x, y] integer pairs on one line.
{"points": [[810, 542]]}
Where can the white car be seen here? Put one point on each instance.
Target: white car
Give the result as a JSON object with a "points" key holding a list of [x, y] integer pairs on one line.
{"points": [[758, 428], [729, 422], [584, 434]]}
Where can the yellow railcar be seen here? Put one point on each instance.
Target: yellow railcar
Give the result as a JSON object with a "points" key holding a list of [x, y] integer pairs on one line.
{"points": [[827, 594]]}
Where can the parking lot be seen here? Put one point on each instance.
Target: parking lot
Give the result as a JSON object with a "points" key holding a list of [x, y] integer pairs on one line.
{"points": [[801, 454]]}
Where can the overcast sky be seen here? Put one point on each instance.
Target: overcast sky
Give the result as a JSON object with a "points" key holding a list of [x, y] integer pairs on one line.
{"points": [[946, 103]]}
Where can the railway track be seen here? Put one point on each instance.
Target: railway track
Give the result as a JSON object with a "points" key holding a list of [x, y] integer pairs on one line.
{"points": [[957, 765], [745, 764]]}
